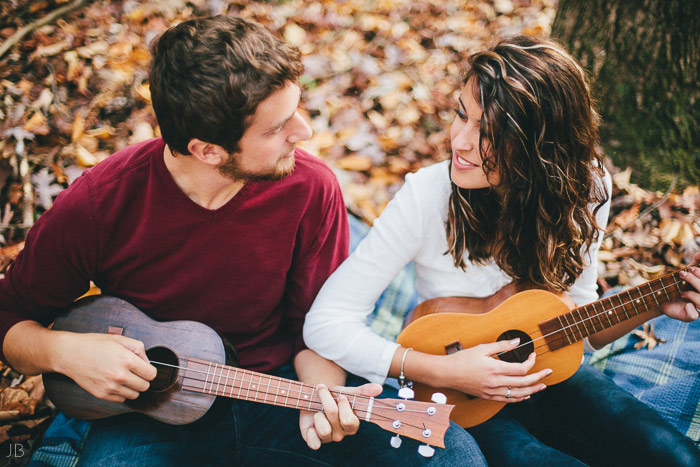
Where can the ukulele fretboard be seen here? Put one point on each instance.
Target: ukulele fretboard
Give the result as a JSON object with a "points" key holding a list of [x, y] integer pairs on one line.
{"points": [[238, 383], [592, 318]]}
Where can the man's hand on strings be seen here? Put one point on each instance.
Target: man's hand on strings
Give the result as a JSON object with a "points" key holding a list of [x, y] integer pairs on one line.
{"points": [[109, 367], [337, 419]]}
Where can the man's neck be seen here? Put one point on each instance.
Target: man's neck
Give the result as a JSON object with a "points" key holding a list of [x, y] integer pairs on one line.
{"points": [[202, 183]]}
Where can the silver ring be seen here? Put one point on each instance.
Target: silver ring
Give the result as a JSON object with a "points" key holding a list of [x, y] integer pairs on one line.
{"points": [[508, 393]]}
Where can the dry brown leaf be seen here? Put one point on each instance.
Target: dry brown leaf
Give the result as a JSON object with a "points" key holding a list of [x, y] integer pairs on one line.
{"points": [[50, 50], [648, 339], [626, 217], [17, 398], [3, 433]]}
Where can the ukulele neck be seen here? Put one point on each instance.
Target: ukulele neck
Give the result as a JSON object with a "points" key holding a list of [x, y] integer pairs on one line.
{"points": [[592, 318], [238, 383]]}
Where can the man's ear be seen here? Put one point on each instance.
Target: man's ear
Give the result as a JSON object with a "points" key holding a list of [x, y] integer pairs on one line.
{"points": [[208, 153]]}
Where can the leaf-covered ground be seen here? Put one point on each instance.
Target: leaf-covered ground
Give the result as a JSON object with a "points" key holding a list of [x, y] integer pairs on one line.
{"points": [[379, 89]]}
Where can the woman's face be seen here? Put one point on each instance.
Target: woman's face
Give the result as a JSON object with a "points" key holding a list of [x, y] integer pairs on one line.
{"points": [[467, 171]]}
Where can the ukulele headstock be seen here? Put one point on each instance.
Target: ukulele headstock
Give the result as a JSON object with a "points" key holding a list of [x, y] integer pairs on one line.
{"points": [[423, 421]]}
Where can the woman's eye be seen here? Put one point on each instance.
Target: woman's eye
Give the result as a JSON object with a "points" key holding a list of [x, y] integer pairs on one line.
{"points": [[460, 114]]}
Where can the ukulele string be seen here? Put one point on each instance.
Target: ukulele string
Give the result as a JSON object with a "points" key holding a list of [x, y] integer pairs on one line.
{"points": [[319, 406], [604, 312], [361, 402]]}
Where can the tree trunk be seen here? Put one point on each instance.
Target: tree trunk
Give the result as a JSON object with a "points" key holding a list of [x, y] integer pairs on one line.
{"points": [[643, 58]]}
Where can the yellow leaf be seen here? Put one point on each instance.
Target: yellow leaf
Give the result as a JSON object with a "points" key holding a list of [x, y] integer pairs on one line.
{"points": [[35, 122], [84, 157], [103, 132], [143, 90], [78, 127], [355, 162], [323, 139]]}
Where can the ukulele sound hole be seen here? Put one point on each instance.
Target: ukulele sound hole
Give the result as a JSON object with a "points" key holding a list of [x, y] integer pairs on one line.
{"points": [[522, 351], [166, 376]]}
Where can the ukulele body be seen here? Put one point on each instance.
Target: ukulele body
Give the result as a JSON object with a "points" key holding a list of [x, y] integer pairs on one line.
{"points": [[441, 333], [168, 342]]}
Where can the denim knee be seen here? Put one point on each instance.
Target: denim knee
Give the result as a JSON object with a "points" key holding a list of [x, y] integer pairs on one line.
{"points": [[461, 449]]}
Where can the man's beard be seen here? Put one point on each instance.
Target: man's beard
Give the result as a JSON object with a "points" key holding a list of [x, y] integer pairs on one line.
{"points": [[231, 169]]}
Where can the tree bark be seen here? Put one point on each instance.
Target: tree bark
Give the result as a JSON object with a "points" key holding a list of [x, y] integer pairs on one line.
{"points": [[643, 58]]}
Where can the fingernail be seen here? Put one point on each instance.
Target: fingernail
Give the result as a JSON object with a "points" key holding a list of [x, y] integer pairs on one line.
{"points": [[543, 387], [691, 269], [514, 341], [683, 274], [549, 371], [527, 397]]}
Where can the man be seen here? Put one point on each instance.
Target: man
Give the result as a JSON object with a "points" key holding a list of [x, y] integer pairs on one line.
{"points": [[222, 221]]}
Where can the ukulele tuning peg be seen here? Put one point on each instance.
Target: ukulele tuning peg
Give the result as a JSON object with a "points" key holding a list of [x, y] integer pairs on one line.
{"points": [[406, 393], [426, 450], [439, 398], [395, 441]]}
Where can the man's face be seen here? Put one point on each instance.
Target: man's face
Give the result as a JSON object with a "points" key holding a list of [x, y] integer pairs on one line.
{"points": [[267, 146]]}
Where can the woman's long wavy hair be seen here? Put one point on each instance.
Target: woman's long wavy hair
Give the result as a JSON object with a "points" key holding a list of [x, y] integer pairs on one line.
{"points": [[539, 134]]}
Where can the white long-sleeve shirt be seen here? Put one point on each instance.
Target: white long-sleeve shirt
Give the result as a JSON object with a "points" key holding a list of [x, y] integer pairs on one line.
{"points": [[411, 228]]}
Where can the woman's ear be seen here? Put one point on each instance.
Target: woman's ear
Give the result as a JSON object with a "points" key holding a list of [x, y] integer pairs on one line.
{"points": [[208, 153]]}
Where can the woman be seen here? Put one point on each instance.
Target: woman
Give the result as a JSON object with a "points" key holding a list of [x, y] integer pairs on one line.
{"points": [[522, 203]]}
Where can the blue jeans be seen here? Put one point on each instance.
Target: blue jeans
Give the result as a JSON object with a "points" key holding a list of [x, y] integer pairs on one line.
{"points": [[585, 419], [239, 433]]}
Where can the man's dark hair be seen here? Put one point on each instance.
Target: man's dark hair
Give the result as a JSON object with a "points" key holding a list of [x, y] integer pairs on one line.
{"points": [[208, 76]]}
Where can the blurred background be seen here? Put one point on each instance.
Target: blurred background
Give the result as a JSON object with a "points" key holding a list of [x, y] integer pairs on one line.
{"points": [[380, 83]]}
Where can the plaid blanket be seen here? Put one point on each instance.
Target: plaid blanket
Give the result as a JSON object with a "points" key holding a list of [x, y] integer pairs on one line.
{"points": [[667, 377]]}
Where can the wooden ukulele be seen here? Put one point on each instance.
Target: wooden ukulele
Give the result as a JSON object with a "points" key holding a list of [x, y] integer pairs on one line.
{"points": [[190, 358], [542, 321]]}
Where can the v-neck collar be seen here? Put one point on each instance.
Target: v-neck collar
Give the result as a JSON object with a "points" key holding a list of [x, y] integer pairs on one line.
{"points": [[231, 205]]}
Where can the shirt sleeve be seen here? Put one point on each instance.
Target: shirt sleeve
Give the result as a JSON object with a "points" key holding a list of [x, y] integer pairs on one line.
{"points": [[584, 289], [324, 240], [336, 327], [56, 265]]}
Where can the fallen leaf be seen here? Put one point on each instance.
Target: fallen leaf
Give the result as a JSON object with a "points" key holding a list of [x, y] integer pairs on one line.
{"points": [[355, 162], [648, 339]]}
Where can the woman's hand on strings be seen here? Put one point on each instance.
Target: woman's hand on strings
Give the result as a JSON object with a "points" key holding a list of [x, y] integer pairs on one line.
{"points": [[337, 419], [474, 371], [688, 307], [109, 367]]}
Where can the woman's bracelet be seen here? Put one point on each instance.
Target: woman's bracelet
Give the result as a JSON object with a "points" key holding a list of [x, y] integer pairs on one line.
{"points": [[402, 376]]}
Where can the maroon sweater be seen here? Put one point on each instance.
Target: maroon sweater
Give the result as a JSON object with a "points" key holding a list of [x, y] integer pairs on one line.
{"points": [[249, 269]]}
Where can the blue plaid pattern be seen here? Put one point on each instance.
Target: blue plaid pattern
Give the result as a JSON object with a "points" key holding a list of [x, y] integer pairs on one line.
{"points": [[666, 378]]}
